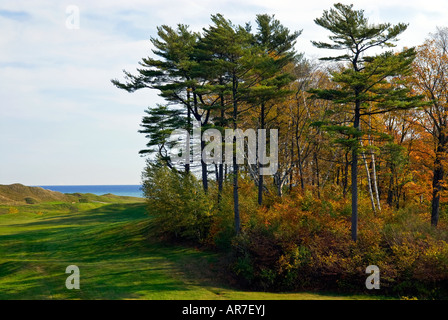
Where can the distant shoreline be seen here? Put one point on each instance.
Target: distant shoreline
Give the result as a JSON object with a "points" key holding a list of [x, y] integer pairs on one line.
{"points": [[118, 190]]}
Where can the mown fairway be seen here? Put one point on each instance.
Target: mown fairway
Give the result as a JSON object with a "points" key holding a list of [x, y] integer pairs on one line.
{"points": [[110, 245]]}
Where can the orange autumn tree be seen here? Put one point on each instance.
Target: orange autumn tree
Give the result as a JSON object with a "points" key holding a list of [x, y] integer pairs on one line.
{"points": [[431, 79]]}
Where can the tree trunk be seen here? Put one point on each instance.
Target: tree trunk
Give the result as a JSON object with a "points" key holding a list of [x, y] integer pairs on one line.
{"points": [[220, 181], [187, 163], [204, 170], [338, 171], [375, 183], [291, 173], [216, 172], [280, 189], [355, 174], [260, 189], [203, 164], [220, 166], [437, 182], [236, 209], [369, 183], [317, 174], [299, 160], [263, 150], [374, 179], [435, 204], [345, 176]]}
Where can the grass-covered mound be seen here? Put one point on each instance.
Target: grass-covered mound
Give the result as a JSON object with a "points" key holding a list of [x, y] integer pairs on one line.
{"points": [[19, 194]]}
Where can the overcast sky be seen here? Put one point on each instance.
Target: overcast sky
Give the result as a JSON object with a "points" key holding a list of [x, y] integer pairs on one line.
{"points": [[63, 122]]}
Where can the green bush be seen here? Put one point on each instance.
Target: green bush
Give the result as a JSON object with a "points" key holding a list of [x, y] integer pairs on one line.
{"points": [[30, 200], [178, 203]]}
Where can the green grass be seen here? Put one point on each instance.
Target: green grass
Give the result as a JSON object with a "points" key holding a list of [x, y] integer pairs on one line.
{"points": [[117, 259]]}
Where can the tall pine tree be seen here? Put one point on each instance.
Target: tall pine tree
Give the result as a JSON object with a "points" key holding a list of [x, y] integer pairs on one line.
{"points": [[230, 53], [276, 43], [173, 75], [364, 83]]}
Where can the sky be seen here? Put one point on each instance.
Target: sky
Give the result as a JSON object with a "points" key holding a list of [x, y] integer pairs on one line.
{"points": [[62, 122]]}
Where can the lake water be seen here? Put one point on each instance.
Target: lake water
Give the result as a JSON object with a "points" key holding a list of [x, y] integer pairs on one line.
{"points": [[119, 190]]}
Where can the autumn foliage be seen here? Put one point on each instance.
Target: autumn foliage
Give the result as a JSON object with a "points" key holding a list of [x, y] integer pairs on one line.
{"points": [[300, 242]]}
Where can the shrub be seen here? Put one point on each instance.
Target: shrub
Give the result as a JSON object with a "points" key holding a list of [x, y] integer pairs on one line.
{"points": [[13, 210], [255, 256], [304, 243], [222, 229], [30, 200], [179, 205]]}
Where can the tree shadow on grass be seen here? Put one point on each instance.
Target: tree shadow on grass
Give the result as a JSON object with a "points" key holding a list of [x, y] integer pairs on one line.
{"points": [[103, 280], [110, 213], [108, 244]]}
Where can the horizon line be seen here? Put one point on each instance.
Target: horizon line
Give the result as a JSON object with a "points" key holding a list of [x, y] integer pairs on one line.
{"points": [[74, 185]]}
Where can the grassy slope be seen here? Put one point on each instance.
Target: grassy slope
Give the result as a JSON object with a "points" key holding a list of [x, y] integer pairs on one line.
{"points": [[109, 243], [16, 194]]}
